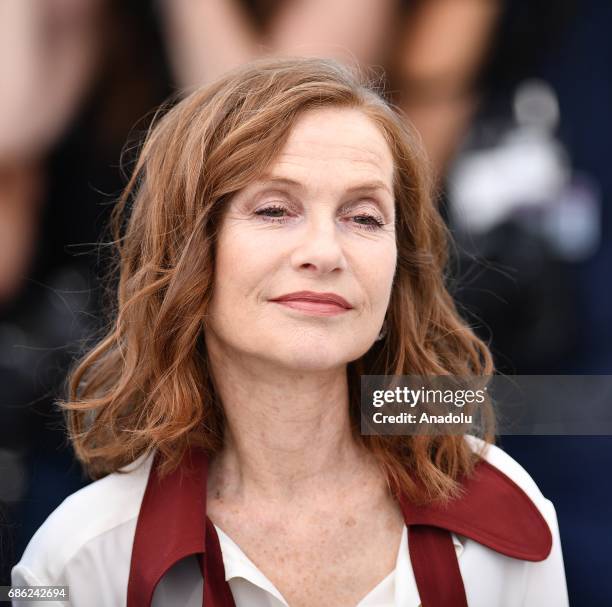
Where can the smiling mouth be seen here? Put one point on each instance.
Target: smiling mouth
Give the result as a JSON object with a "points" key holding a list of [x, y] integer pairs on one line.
{"points": [[313, 307], [314, 302]]}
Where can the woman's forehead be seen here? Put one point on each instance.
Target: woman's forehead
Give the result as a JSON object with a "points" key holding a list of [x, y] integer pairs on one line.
{"points": [[340, 139]]}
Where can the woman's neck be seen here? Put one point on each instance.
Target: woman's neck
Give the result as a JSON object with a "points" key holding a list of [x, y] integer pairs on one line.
{"points": [[288, 434]]}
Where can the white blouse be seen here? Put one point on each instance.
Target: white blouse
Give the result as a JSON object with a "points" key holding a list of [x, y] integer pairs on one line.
{"points": [[86, 544]]}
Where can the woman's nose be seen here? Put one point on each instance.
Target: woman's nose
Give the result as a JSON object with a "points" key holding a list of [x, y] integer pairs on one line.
{"points": [[318, 248]]}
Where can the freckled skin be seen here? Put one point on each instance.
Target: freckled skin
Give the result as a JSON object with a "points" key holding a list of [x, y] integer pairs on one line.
{"points": [[325, 552]]}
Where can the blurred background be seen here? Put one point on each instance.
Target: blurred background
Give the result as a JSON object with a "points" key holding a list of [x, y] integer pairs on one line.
{"points": [[513, 101]]}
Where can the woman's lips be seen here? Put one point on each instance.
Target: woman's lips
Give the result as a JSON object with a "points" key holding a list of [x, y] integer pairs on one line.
{"points": [[318, 308], [314, 302]]}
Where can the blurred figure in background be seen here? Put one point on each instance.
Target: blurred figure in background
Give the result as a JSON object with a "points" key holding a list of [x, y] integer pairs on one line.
{"points": [[205, 39], [48, 55], [441, 52], [514, 116], [76, 76]]}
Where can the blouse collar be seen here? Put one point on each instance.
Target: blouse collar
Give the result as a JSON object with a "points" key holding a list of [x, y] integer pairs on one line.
{"points": [[172, 523]]}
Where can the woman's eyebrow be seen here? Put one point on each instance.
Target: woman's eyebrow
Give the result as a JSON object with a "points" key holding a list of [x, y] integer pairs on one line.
{"points": [[272, 180], [370, 186], [366, 186]]}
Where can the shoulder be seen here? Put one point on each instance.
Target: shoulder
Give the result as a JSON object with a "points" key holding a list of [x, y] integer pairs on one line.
{"points": [[544, 581], [501, 460], [75, 531], [506, 464]]}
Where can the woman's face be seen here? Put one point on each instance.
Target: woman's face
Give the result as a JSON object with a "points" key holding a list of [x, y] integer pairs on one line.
{"points": [[321, 221]]}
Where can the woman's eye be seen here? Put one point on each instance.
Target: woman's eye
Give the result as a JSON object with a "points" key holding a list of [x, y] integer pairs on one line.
{"points": [[280, 214], [273, 213], [369, 222]]}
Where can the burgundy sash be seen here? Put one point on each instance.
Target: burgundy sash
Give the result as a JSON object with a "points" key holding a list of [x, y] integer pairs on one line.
{"points": [[493, 511]]}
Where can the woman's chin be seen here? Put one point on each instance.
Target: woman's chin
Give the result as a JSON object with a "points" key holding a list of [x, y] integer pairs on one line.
{"points": [[319, 358]]}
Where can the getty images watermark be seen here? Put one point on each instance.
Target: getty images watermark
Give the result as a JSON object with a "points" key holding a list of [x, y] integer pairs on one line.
{"points": [[520, 404], [420, 397]]}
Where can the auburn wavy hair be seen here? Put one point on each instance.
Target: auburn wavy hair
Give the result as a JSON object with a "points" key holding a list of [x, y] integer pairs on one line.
{"points": [[146, 384]]}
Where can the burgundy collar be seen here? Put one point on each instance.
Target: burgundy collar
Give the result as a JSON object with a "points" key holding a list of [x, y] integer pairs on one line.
{"points": [[493, 511]]}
